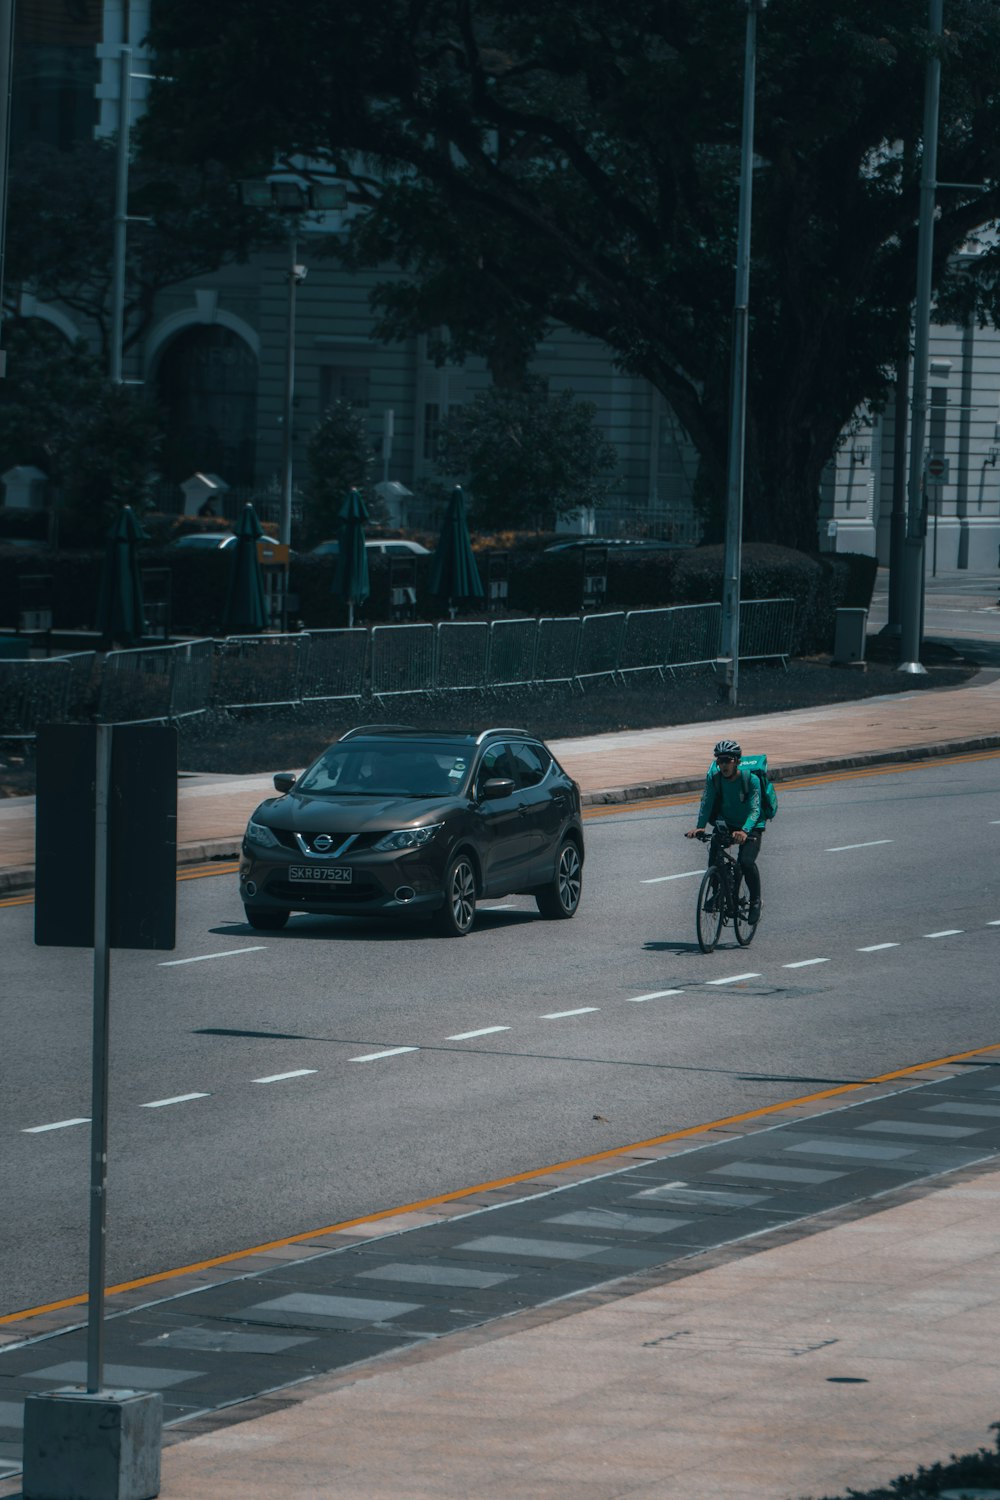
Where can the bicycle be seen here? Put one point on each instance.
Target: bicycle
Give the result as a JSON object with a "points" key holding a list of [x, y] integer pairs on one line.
{"points": [[723, 890]]}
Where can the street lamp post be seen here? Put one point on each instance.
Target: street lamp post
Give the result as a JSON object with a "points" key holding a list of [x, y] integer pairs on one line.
{"points": [[294, 199], [912, 606], [738, 393]]}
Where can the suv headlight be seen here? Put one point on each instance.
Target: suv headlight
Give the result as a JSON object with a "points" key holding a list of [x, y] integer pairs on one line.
{"points": [[258, 833], [407, 838]]}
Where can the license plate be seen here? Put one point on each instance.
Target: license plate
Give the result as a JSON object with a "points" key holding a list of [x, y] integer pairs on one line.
{"points": [[328, 874]]}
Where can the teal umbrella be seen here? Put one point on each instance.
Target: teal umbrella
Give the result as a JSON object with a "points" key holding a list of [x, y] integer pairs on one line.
{"points": [[119, 602], [350, 580], [246, 607], [454, 575]]}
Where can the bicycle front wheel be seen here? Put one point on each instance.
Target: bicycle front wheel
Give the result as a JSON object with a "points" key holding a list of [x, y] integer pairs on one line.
{"points": [[708, 917], [742, 925]]}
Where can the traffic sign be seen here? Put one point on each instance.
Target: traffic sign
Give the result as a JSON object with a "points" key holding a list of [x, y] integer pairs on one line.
{"points": [[937, 468]]}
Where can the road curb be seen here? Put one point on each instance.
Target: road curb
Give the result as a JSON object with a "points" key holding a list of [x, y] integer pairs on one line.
{"points": [[781, 772], [21, 882]]}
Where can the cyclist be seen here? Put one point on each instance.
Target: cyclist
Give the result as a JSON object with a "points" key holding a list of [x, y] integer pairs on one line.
{"points": [[723, 802]]}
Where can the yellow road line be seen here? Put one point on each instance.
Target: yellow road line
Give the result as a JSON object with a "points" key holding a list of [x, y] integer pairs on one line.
{"points": [[499, 1182]]}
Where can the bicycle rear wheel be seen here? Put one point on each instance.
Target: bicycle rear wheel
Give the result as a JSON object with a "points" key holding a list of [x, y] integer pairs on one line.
{"points": [[709, 923], [742, 925]]}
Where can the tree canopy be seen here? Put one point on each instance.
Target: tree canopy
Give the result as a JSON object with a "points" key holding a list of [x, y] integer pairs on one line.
{"points": [[537, 161]]}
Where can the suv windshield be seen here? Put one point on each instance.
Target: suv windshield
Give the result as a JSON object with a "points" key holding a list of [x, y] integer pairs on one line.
{"points": [[388, 768]]}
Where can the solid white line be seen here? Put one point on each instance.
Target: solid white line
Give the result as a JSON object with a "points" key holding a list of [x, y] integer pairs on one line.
{"points": [[58, 1125], [653, 995], [389, 1052], [510, 906], [732, 978], [557, 1015], [805, 963], [658, 878], [995, 923], [839, 848], [171, 963], [464, 1036], [177, 1099], [279, 1077], [877, 947], [948, 932]]}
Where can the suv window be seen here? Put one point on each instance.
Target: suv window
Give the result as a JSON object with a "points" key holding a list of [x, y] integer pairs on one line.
{"points": [[496, 761], [531, 763]]}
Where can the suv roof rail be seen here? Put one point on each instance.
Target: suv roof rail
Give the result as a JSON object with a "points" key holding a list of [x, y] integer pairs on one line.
{"points": [[379, 729], [504, 729]]}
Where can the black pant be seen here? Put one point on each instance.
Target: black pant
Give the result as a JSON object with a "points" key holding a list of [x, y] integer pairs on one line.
{"points": [[746, 859]]}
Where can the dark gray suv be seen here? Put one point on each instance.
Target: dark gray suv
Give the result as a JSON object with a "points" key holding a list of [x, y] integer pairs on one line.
{"points": [[392, 820]]}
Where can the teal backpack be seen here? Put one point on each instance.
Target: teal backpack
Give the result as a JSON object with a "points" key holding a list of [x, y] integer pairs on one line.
{"points": [[755, 765]]}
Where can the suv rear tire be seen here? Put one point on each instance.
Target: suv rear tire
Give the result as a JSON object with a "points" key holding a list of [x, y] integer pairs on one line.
{"points": [[458, 913], [560, 898]]}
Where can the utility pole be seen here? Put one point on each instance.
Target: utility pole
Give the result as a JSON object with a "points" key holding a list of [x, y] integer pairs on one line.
{"points": [[912, 607], [121, 214], [738, 392], [6, 75]]}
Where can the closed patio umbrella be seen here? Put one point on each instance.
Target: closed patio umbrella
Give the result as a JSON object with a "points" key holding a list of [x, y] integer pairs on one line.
{"points": [[350, 580], [454, 575], [246, 606], [119, 601]]}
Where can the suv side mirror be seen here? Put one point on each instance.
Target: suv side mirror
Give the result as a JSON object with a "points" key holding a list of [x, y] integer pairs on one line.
{"points": [[284, 781], [496, 787]]}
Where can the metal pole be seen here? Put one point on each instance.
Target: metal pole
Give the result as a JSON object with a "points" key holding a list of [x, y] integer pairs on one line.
{"points": [[121, 213], [6, 73], [285, 529], [99, 1071], [897, 520], [738, 393], [911, 614]]}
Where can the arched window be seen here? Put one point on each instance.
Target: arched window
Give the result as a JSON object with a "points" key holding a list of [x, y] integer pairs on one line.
{"points": [[207, 385]]}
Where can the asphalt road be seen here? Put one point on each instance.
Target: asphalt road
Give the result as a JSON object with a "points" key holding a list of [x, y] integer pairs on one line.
{"points": [[269, 1084]]}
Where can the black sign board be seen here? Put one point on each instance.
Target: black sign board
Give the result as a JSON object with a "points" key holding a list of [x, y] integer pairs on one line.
{"points": [[142, 836]]}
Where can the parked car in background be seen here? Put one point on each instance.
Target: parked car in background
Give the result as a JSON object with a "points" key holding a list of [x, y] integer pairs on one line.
{"points": [[393, 821], [388, 547], [206, 541], [618, 544]]}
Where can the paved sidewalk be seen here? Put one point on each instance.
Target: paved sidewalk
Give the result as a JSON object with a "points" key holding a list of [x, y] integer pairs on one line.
{"points": [[841, 1358], [213, 810]]}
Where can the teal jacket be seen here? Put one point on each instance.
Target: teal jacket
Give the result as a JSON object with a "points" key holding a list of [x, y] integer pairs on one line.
{"points": [[737, 810]]}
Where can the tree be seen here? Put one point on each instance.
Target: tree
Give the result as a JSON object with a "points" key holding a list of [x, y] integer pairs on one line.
{"points": [[98, 442], [526, 455], [576, 161], [60, 224], [339, 459]]}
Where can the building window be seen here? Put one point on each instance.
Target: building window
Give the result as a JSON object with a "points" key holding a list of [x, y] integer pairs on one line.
{"points": [[432, 429], [350, 383]]}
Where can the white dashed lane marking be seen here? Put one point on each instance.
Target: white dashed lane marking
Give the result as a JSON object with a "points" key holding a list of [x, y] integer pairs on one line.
{"points": [[839, 848], [657, 879], [946, 932], [388, 1052], [732, 978], [173, 963], [465, 1036], [806, 963], [877, 947], [177, 1099], [557, 1015], [280, 1077], [653, 995], [57, 1125]]}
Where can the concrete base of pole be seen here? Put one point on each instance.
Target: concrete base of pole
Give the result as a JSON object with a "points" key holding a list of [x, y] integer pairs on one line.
{"points": [[915, 668], [92, 1445]]}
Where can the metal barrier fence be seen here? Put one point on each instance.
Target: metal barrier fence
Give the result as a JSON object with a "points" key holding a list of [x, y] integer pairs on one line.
{"points": [[766, 629], [244, 672]]}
